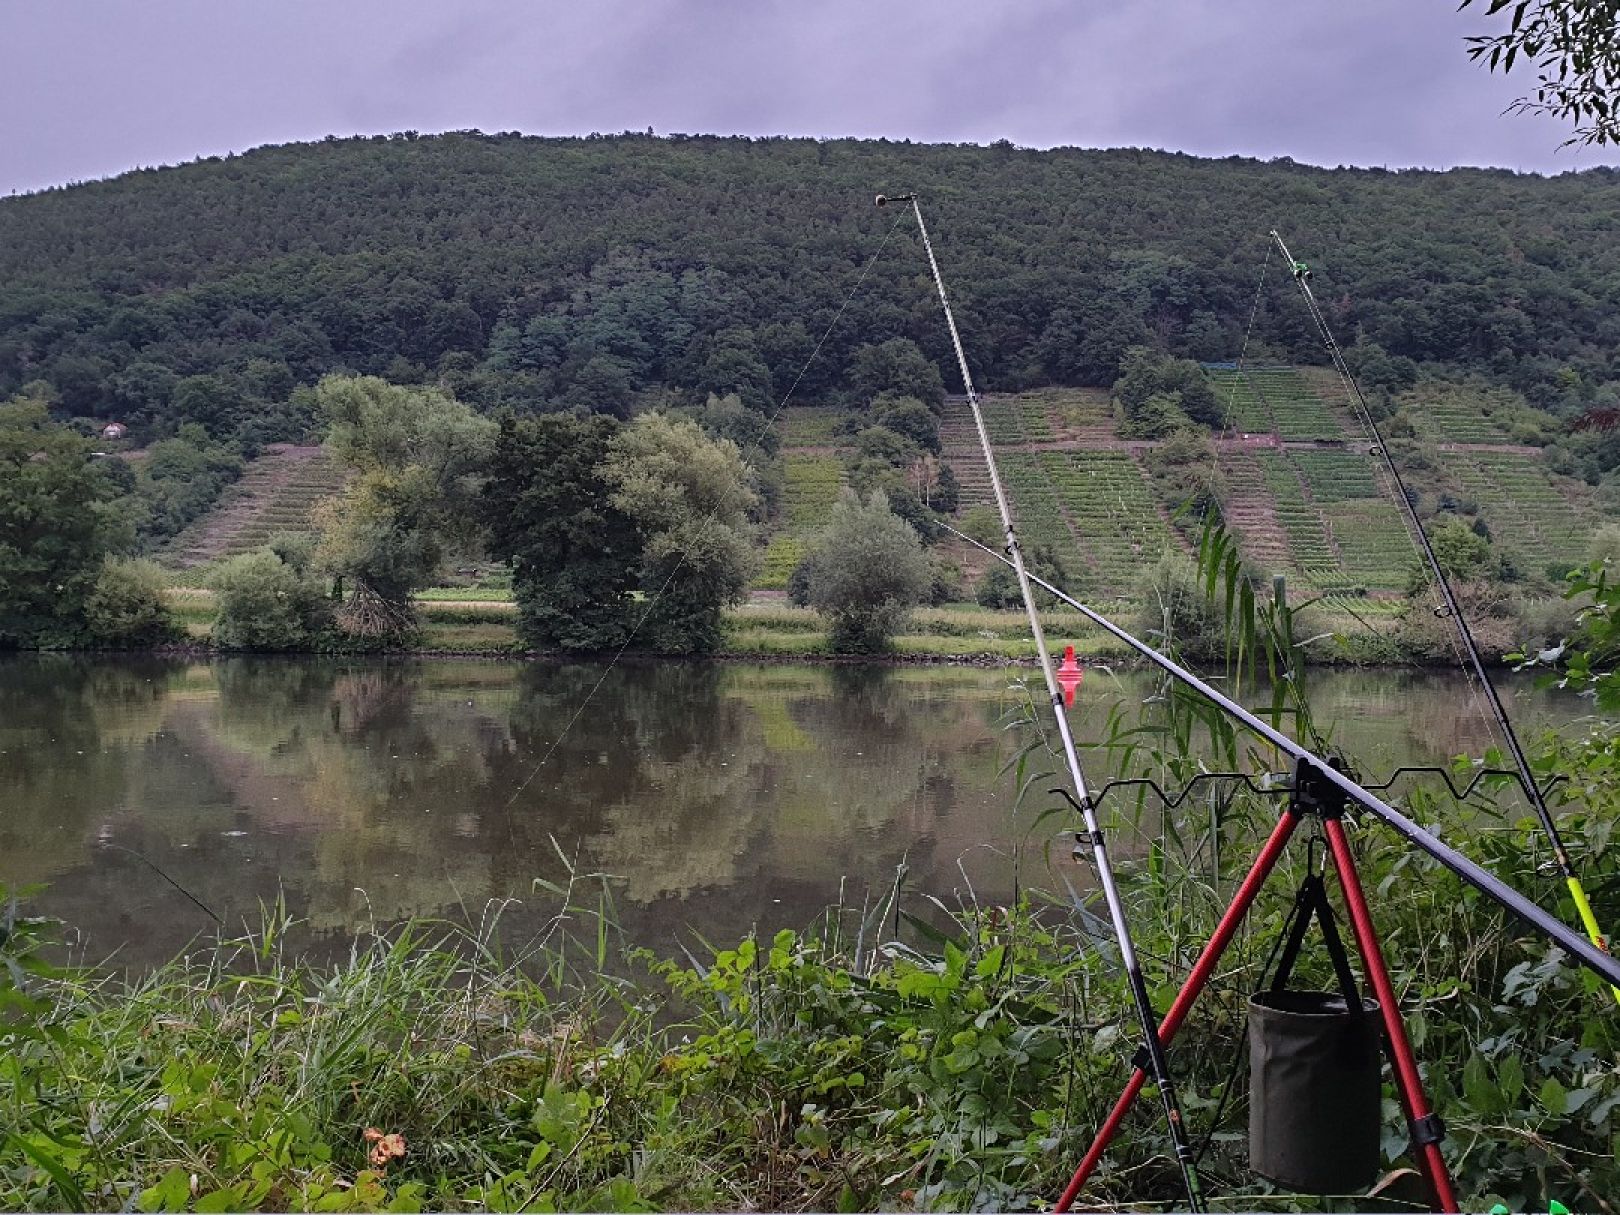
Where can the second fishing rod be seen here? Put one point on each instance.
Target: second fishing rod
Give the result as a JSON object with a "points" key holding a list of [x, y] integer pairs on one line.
{"points": [[1449, 606], [1153, 1060]]}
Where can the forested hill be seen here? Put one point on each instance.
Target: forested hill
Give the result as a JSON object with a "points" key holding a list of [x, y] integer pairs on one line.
{"points": [[537, 272]]}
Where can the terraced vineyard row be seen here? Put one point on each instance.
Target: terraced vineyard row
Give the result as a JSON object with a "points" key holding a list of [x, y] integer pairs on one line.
{"points": [[1308, 542], [1301, 412], [1107, 493], [809, 426], [1337, 476], [1524, 509], [1344, 533], [810, 486], [1446, 419], [1037, 509], [1246, 413], [1374, 545], [278, 493]]}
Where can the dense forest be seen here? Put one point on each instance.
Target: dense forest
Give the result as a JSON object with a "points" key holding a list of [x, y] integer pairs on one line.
{"points": [[543, 273]]}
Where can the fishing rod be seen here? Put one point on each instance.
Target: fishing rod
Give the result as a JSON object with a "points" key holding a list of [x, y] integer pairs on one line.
{"points": [[1577, 892], [1320, 789], [1594, 958], [1152, 1047]]}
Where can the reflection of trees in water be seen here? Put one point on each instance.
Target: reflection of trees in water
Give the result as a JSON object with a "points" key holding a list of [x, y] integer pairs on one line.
{"points": [[422, 782], [67, 727], [646, 779]]}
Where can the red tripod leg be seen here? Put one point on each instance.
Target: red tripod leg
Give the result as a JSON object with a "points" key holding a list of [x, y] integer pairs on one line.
{"points": [[1407, 1079], [1187, 996]]}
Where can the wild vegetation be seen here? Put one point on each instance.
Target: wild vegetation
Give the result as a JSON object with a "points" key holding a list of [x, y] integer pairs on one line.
{"points": [[901, 1055]]}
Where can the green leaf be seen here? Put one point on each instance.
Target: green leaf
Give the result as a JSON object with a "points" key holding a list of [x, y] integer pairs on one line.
{"points": [[229, 1198], [1553, 1096], [171, 1193], [1510, 1079], [42, 1156], [1477, 1088]]}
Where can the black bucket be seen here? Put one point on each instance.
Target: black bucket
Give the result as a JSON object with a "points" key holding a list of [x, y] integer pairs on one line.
{"points": [[1314, 1091]]}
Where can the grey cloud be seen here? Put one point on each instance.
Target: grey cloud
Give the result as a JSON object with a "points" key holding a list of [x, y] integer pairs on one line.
{"points": [[92, 89]]}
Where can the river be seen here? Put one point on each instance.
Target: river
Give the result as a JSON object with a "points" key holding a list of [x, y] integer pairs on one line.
{"points": [[716, 796]]}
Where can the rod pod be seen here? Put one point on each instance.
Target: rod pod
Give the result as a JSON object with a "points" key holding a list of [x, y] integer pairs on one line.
{"points": [[1532, 790], [1152, 1054]]}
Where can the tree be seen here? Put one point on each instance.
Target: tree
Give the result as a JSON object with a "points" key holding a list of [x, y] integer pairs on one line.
{"points": [[419, 455], [908, 416], [896, 366], [866, 571], [547, 508], [690, 499], [999, 587], [1461, 551], [1153, 388], [56, 527], [1574, 46]]}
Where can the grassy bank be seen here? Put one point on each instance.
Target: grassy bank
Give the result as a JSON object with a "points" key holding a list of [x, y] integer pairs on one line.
{"points": [[458, 620]]}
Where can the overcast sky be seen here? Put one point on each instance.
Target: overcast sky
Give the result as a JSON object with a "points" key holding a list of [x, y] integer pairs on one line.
{"points": [[94, 87]]}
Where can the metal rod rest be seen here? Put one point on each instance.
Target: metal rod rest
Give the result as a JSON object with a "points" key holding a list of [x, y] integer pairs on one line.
{"points": [[1498, 891]]}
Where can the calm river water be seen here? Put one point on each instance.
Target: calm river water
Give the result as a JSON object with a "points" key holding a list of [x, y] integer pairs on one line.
{"points": [[718, 796]]}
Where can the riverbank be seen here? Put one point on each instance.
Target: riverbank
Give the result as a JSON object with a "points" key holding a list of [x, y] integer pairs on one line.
{"points": [[456, 621], [960, 1064]]}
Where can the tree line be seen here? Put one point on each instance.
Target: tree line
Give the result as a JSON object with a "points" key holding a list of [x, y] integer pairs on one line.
{"points": [[609, 273], [619, 534]]}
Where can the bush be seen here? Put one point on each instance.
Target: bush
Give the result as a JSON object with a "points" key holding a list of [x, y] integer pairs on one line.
{"points": [[126, 608], [267, 603], [1176, 612], [866, 572], [999, 587], [944, 582], [984, 525]]}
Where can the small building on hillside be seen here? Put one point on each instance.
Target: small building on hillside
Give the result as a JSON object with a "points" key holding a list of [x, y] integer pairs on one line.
{"points": [[114, 430]]}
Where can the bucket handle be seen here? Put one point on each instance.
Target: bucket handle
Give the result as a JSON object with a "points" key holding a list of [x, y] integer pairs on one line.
{"points": [[1311, 901]]}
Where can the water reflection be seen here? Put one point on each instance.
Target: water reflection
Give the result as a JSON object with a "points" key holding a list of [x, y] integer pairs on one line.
{"points": [[719, 796]]}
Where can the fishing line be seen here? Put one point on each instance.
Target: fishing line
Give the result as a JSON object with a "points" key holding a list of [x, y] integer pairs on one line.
{"points": [[708, 520], [157, 869], [1152, 1051], [1538, 803]]}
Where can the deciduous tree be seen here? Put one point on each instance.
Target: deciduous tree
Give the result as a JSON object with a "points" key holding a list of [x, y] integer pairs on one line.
{"points": [[866, 571], [690, 499]]}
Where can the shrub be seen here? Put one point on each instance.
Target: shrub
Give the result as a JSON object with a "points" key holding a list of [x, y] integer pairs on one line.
{"points": [[267, 603], [125, 607], [1176, 612], [867, 571], [999, 587]]}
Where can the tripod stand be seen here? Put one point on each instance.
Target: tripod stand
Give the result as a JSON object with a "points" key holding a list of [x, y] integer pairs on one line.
{"points": [[1314, 795]]}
